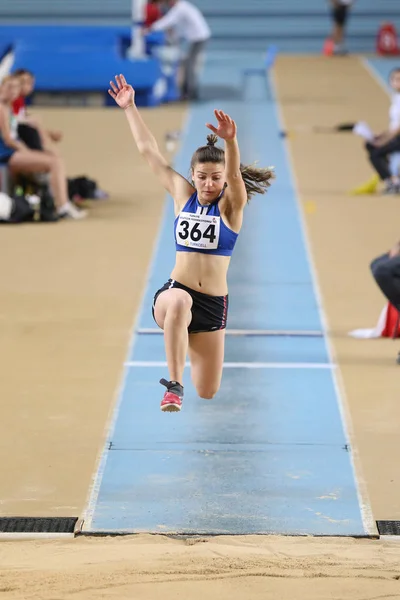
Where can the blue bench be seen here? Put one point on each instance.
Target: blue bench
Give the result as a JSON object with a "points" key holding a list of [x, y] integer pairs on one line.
{"points": [[62, 34], [84, 59], [87, 71]]}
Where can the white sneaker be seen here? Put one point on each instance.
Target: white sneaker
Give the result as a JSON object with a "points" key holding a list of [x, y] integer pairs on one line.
{"points": [[69, 211]]}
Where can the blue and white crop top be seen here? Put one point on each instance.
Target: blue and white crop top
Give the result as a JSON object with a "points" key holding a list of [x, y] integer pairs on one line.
{"points": [[200, 228]]}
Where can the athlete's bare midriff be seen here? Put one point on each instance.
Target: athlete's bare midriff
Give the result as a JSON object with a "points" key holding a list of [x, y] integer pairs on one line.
{"points": [[206, 273]]}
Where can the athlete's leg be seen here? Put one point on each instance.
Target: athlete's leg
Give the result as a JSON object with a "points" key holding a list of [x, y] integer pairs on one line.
{"points": [[172, 313], [206, 353]]}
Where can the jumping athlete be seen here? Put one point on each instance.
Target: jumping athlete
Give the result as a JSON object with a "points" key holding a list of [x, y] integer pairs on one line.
{"points": [[192, 306]]}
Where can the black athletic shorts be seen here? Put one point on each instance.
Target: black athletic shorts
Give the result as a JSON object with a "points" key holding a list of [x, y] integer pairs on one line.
{"points": [[209, 313], [340, 13], [30, 136]]}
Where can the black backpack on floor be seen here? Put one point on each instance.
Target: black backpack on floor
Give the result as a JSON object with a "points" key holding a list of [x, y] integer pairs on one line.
{"points": [[21, 211], [82, 186]]}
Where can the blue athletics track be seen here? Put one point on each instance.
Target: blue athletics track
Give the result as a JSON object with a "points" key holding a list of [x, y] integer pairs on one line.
{"points": [[271, 453]]}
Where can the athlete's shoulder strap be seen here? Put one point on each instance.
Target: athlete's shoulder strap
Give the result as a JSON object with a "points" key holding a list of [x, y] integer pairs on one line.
{"points": [[189, 202]]}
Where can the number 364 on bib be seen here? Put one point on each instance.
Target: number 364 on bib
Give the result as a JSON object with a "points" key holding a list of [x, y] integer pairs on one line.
{"points": [[198, 231]]}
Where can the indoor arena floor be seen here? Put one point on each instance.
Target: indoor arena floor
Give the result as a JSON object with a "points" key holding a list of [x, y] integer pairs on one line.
{"points": [[303, 438]]}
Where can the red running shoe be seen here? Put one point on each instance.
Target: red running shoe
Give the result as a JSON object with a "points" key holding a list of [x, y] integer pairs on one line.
{"points": [[172, 401]]}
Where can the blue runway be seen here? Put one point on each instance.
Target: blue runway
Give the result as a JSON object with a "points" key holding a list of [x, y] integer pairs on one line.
{"points": [[270, 453]]}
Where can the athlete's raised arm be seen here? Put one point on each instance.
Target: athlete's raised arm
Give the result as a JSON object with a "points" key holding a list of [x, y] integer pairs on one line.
{"points": [[124, 95], [226, 130]]}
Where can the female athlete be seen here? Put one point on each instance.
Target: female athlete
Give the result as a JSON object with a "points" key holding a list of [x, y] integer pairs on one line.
{"points": [[192, 306]]}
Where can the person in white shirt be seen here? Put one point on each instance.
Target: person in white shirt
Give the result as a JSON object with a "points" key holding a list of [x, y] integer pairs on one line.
{"points": [[387, 144], [340, 11], [188, 23]]}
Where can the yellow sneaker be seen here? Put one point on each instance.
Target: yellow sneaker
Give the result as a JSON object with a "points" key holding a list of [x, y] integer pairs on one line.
{"points": [[369, 187]]}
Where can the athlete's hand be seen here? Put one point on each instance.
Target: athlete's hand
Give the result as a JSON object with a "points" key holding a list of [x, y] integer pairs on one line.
{"points": [[123, 94], [226, 129]]}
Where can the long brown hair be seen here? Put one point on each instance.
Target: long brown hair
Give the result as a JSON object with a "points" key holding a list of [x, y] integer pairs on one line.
{"points": [[256, 181]]}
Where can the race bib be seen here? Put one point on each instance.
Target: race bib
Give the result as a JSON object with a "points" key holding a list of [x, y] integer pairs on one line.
{"points": [[198, 231]]}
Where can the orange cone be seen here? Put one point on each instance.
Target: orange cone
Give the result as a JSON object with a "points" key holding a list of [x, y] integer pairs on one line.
{"points": [[392, 324], [328, 47]]}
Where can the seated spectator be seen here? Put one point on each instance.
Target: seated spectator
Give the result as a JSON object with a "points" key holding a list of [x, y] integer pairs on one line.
{"points": [[30, 130], [383, 149], [21, 159], [386, 272]]}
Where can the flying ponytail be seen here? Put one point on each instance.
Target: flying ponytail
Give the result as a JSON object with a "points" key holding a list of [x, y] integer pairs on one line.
{"points": [[256, 180]]}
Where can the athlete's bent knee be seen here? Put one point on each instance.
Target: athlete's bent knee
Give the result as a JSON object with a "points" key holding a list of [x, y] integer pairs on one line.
{"points": [[179, 305], [206, 392], [178, 310]]}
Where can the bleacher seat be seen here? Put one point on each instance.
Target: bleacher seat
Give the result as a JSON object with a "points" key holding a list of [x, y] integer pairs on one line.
{"points": [[83, 59]]}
